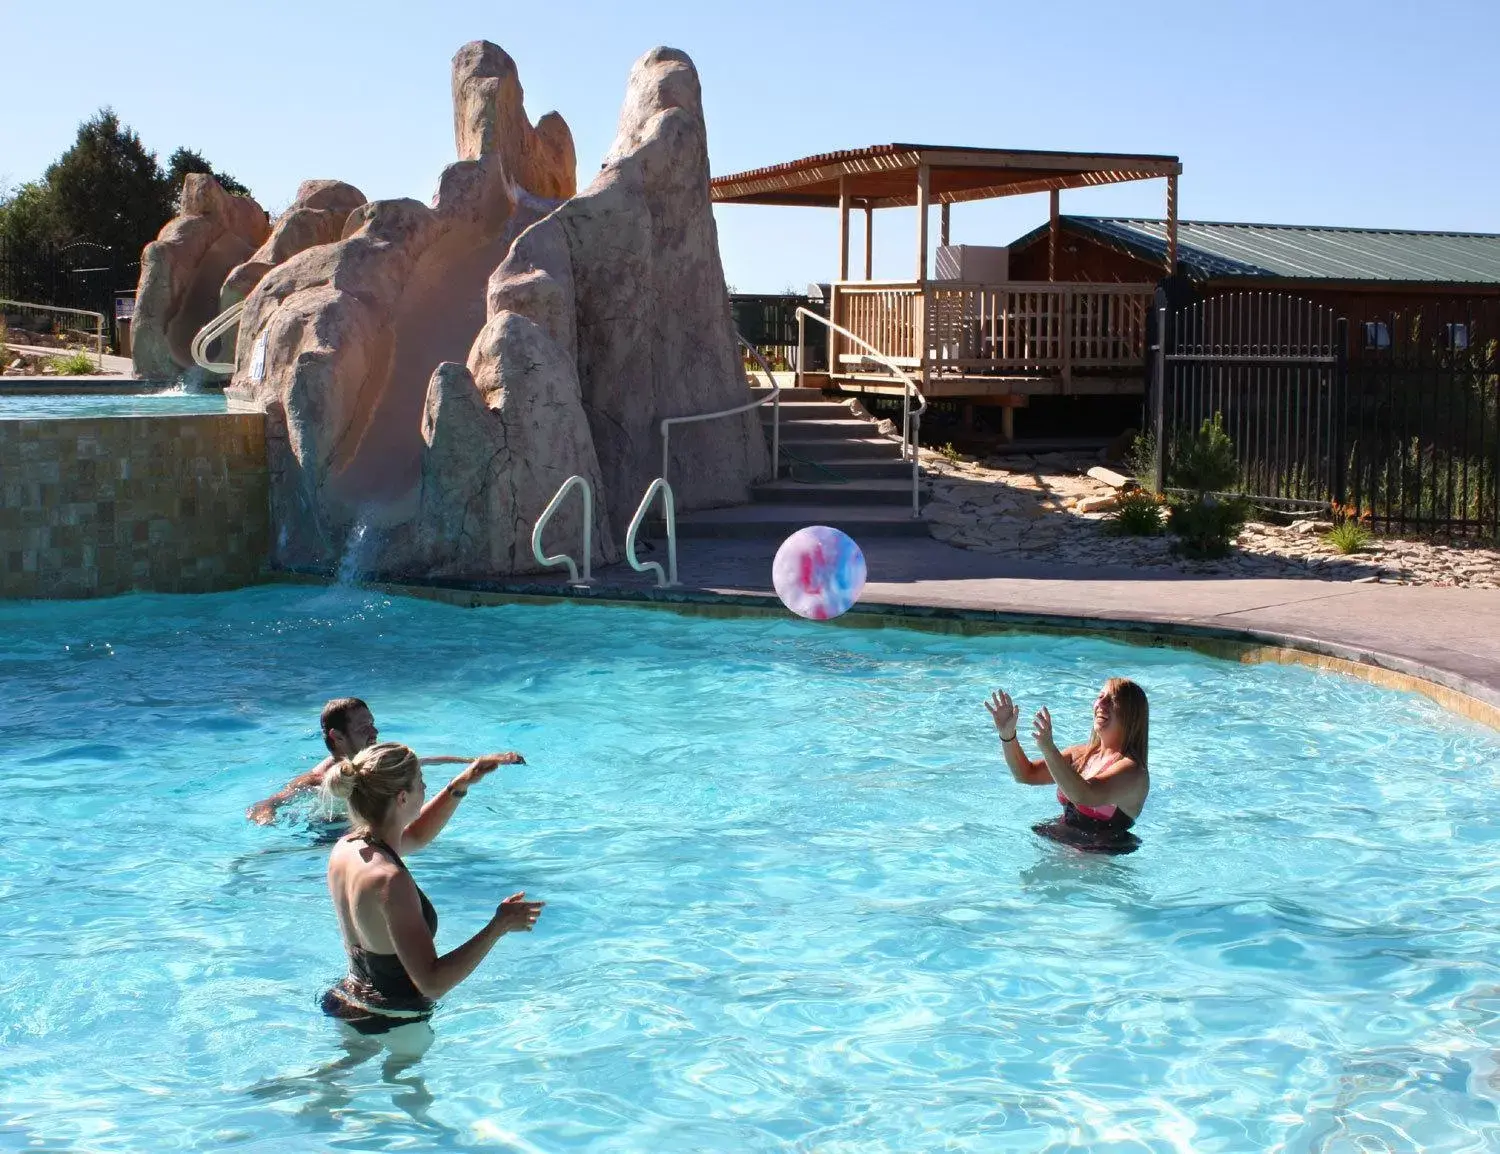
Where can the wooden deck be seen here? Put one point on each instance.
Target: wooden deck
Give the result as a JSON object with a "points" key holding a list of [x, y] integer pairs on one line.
{"points": [[979, 341]]}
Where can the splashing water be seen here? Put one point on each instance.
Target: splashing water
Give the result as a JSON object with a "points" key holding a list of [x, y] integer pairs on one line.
{"points": [[360, 551]]}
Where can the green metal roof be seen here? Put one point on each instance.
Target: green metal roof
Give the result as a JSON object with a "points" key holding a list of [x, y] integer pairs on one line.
{"points": [[1212, 250]]}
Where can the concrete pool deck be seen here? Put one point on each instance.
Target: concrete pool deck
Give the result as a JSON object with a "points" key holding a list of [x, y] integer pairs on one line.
{"points": [[1448, 640]]}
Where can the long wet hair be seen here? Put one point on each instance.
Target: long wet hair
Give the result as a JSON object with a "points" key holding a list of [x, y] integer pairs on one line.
{"points": [[1134, 713], [371, 779]]}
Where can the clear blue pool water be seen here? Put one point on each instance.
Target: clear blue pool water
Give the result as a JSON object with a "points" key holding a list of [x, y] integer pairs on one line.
{"points": [[793, 900], [170, 403]]}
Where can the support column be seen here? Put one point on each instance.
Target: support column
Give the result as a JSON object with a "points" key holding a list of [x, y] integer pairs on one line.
{"points": [[1054, 202], [869, 241], [924, 183], [843, 228], [1171, 225], [943, 227]]}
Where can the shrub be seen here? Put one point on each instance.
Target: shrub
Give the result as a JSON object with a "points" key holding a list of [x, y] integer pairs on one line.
{"points": [[1206, 525], [1138, 514], [74, 364], [1348, 537], [1204, 462], [1140, 460], [950, 454]]}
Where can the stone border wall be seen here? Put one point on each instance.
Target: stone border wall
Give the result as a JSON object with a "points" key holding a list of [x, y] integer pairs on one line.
{"points": [[100, 505]]}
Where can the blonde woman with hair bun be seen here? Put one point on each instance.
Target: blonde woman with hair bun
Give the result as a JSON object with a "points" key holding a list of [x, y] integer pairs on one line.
{"points": [[387, 922]]}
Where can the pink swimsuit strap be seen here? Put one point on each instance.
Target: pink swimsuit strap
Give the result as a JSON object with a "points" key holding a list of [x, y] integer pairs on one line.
{"points": [[1101, 812]]}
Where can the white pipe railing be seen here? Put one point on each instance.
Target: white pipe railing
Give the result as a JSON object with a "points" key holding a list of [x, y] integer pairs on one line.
{"points": [[588, 531], [98, 319], [211, 332], [911, 419], [774, 398], [667, 578]]}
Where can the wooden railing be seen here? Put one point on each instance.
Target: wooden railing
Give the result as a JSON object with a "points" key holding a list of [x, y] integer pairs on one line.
{"points": [[1023, 328]]}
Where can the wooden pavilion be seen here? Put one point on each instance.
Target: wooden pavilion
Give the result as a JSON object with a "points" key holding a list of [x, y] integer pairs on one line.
{"points": [[996, 342]]}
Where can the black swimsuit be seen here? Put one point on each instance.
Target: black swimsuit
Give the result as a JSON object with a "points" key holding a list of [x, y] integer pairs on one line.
{"points": [[378, 994]]}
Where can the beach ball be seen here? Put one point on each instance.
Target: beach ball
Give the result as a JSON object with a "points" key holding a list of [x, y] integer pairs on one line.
{"points": [[818, 573]]}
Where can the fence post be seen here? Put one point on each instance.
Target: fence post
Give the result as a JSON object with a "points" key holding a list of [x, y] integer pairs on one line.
{"points": [[1159, 390], [1340, 408]]}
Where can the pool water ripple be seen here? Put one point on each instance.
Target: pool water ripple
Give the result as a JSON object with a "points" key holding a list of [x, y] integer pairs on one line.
{"points": [[793, 898]]}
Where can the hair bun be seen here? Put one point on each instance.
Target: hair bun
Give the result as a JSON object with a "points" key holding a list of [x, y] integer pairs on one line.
{"points": [[340, 778]]}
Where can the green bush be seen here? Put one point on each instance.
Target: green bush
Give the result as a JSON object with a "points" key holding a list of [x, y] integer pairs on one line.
{"points": [[1138, 514], [1204, 462], [74, 364], [1348, 537], [1206, 525], [1140, 459]]}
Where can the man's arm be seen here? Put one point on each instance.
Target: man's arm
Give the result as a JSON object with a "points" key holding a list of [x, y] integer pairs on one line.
{"points": [[264, 812]]}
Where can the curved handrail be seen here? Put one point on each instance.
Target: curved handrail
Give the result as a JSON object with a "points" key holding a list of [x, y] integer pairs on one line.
{"points": [[667, 578], [911, 419], [774, 398], [588, 531], [211, 332]]}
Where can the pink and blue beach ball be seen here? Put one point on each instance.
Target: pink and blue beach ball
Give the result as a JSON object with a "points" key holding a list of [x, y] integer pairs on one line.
{"points": [[818, 573]]}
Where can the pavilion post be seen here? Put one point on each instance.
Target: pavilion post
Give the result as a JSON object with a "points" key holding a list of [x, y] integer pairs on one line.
{"points": [[943, 226], [843, 228], [924, 187], [1052, 216], [869, 241], [1171, 225]]}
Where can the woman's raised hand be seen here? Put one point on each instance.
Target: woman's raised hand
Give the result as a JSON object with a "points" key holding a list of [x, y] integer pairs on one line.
{"points": [[1041, 728], [486, 765], [515, 914], [1004, 713]]}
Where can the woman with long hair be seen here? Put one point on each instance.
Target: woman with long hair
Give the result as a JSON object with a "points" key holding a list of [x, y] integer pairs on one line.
{"points": [[387, 923], [1101, 784]]}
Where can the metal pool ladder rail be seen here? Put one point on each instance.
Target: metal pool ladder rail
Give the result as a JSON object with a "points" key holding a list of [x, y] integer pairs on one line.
{"points": [[588, 531], [211, 332], [664, 579]]}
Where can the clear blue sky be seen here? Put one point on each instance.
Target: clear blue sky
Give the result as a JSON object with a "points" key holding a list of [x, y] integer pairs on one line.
{"points": [[1311, 112]]}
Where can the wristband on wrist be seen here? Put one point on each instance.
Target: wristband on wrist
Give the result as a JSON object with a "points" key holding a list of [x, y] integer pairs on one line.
{"points": [[458, 793]]}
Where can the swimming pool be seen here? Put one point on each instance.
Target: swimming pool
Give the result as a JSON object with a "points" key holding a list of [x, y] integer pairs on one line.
{"points": [[793, 901], [168, 403]]}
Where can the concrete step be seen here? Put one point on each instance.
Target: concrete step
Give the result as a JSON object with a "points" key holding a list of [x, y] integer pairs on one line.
{"points": [[876, 492], [850, 468], [792, 394], [806, 411], [841, 448], [824, 429], [777, 522]]}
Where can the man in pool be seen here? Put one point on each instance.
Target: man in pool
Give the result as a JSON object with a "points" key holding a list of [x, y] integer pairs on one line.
{"points": [[348, 726]]}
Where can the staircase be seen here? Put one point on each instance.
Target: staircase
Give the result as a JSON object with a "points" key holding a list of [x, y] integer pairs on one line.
{"points": [[835, 470]]}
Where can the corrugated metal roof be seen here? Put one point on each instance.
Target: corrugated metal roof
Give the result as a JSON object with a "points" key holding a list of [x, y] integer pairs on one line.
{"points": [[1309, 252]]}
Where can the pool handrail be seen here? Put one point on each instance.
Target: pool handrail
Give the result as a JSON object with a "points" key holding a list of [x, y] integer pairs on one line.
{"points": [[668, 578], [211, 332], [588, 531], [774, 398], [911, 419], [98, 337]]}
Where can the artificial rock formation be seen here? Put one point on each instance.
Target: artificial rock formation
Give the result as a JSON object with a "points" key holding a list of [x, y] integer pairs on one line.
{"points": [[317, 216], [183, 270], [414, 393]]}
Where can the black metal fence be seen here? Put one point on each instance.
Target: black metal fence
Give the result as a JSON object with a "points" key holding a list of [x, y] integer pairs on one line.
{"points": [[78, 275], [1393, 419], [769, 322]]}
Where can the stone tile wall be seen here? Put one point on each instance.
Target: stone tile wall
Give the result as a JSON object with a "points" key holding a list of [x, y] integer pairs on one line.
{"points": [[101, 505]]}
